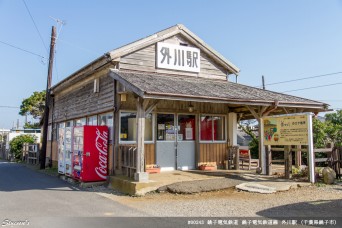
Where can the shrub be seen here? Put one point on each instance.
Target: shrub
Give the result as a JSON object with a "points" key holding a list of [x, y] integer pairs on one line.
{"points": [[16, 144]]}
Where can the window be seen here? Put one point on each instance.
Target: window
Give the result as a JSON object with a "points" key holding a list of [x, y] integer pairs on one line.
{"points": [[212, 128], [107, 120], [166, 130], [80, 122], [186, 128], [128, 127], [92, 120]]}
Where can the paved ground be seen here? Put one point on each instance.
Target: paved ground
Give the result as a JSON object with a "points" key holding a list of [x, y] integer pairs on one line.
{"points": [[41, 199], [47, 201]]}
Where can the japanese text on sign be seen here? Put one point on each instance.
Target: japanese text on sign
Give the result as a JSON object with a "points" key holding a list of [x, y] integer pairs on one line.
{"points": [[286, 130], [175, 57]]}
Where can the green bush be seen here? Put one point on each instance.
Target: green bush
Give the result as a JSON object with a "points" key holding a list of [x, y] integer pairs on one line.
{"points": [[16, 144]]}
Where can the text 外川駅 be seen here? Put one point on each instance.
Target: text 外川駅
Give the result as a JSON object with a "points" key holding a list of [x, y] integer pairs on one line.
{"points": [[176, 57]]}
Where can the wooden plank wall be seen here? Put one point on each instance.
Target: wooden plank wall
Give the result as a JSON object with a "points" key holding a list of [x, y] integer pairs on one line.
{"points": [[211, 153], [150, 155], [178, 106], [54, 154], [82, 101], [145, 60]]}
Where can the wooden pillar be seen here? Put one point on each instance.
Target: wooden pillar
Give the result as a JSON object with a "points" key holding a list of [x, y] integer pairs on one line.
{"points": [[117, 153], [232, 128], [298, 154], [268, 160], [288, 162], [140, 174]]}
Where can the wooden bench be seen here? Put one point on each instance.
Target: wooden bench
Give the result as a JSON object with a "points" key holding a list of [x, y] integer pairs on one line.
{"points": [[245, 156]]}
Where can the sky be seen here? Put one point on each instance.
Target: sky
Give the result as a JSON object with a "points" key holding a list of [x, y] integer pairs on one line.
{"points": [[282, 40]]}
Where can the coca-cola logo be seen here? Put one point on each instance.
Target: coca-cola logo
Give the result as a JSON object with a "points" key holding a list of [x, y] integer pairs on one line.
{"points": [[101, 143]]}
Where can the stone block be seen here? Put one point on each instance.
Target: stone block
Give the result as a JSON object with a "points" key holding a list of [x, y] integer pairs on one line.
{"points": [[329, 175], [141, 177]]}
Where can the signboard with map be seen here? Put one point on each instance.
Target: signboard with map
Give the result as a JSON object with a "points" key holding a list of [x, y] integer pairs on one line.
{"points": [[285, 130]]}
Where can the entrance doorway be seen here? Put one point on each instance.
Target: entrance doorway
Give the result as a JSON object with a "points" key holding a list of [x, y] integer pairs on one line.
{"points": [[175, 146]]}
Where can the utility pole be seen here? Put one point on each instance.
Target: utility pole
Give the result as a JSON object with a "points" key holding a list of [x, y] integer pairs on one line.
{"points": [[263, 82], [47, 99]]}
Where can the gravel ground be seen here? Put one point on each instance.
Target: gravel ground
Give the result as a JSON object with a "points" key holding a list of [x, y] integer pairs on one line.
{"points": [[315, 201], [305, 201]]}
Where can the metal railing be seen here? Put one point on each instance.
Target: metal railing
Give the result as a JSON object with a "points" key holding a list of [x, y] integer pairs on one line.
{"points": [[31, 153]]}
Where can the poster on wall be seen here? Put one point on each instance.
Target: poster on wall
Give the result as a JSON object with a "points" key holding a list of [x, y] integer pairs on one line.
{"points": [[188, 134], [61, 150], [286, 130]]}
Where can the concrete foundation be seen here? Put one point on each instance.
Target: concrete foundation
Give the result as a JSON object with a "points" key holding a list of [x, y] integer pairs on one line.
{"points": [[131, 187]]}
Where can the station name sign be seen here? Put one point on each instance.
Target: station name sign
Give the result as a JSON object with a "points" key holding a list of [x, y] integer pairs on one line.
{"points": [[177, 57]]}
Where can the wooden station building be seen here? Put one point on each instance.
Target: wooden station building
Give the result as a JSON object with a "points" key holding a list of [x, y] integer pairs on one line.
{"points": [[167, 101]]}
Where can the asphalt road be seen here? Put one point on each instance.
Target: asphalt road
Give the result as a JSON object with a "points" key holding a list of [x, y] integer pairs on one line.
{"points": [[39, 200]]}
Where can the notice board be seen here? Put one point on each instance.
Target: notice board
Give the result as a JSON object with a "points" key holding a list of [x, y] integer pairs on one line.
{"points": [[286, 130]]}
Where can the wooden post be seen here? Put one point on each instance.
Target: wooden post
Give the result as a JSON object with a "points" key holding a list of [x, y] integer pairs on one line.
{"points": [[237, 159], [288, 161], [47, 99], [140, 174], [118, 153], [268, 160], [298, 158]]}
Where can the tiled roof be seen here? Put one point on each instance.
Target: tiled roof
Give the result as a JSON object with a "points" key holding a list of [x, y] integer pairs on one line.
{"points": [[145, 84]]}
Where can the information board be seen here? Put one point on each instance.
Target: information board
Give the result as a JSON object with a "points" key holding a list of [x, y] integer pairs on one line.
{"points": [[286, 130]]}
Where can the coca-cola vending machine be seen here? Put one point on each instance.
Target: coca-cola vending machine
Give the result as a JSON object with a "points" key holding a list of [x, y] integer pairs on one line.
{"points": [[90, 153]]}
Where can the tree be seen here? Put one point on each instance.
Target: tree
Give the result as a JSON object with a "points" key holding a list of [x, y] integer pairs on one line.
{"points": [[16, 144], [319, 133], [33, 105], [30, 125], [333, 123], [248, 127]]}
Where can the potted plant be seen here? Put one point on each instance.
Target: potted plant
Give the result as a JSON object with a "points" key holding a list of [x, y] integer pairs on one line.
{"points": [[207, 167], [153, 169]]}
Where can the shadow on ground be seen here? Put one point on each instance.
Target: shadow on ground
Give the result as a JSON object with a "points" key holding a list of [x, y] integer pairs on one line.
{"points": [[313, 210]]}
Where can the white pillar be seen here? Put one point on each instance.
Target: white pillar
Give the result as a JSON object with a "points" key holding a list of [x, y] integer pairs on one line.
{"points": [[232, 128], [311, 156], [262, 151]]}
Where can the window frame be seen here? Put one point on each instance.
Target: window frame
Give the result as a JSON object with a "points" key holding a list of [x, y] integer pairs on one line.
{"points": [[110, 128], [134, 142], [225, 128], [174, 124], [79, 119], [97, 120]]}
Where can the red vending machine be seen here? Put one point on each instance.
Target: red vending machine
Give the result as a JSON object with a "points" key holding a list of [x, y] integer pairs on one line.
{"points": [[90, 153]]}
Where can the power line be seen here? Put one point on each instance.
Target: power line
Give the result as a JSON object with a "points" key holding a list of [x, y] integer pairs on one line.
{"points": [[41, 38], [78, 47], [6, 106], [11, 45], [301, 79], [331, 100], [313, 87]]}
